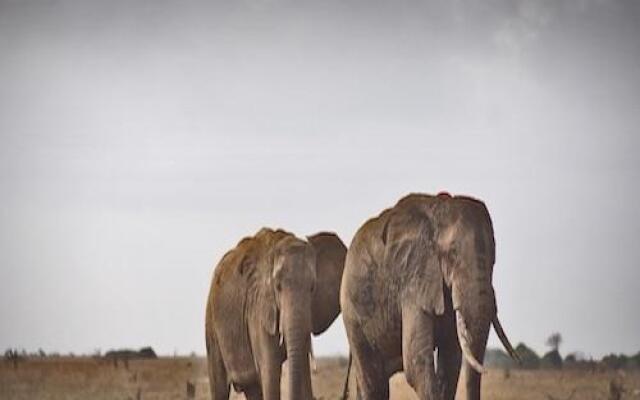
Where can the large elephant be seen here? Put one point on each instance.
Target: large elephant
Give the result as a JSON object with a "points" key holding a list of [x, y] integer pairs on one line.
{"points": [[267, 296], [418, 278]]}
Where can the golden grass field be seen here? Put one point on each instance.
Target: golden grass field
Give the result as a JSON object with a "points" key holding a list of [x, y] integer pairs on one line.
{"points": [[166, 378]]}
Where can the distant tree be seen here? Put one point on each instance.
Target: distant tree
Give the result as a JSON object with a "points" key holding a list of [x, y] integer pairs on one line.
{"points": [[497, 358], [41, 353], [577, 360], [530, 359], [615, 361], [554, 341], [580, 356], [551, 360], [13, 356], [147, 352]]}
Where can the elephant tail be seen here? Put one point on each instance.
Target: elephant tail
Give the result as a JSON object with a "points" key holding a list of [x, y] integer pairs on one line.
{"points": [[345, 390]]}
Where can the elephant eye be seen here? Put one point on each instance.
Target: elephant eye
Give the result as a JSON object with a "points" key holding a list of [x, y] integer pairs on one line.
{"points": [[278, 286], [453, 252]]}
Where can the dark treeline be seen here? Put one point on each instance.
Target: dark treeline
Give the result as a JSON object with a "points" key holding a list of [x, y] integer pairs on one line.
{"points": [[123, 356], [553, 360], [495, 358], [144, 352]]}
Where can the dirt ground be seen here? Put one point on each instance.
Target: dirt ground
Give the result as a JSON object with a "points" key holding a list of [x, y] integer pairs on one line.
{"points": [[166, 378]]}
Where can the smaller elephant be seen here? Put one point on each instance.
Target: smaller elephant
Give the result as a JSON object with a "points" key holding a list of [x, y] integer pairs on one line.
{"points": [[267, 296]]}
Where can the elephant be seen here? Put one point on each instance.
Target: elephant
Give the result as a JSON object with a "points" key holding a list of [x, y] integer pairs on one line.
{"points": [[418, 278], [267, 295]]}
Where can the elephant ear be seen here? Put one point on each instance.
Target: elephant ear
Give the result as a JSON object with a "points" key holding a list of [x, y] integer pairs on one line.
{"points": [[325, 302], [409, 247]]}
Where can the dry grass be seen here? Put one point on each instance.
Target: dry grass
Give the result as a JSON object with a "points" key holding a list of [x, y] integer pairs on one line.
{"points": [[166, 378]]}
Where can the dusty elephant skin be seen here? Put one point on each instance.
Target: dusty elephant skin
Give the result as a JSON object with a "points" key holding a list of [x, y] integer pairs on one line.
{"points": [[418, 278], [267, 296]]}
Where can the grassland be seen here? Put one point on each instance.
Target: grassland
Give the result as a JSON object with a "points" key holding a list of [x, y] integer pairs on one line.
{"points": [[166, 378]]}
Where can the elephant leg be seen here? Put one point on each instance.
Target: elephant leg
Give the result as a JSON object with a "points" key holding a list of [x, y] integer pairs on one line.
{"points": [[449, 359], [217, 372], [271, 371], [253, 393], [371, 377], [418, 341], [449, 353]]}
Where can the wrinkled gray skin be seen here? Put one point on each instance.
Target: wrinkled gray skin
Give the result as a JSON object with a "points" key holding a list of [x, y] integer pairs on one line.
{"points": [[418, 278], [267, 296]]}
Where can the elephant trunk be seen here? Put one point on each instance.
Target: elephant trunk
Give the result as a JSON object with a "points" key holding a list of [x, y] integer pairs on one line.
{"points": [[473, 344], [475, 309], [297, 335]]}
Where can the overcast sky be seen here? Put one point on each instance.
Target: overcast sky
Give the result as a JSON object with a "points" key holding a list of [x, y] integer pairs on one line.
{"points": [[141, 140]]}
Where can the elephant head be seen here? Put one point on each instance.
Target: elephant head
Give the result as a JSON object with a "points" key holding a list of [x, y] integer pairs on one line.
{"points": [[305, 284], [465, 249]]}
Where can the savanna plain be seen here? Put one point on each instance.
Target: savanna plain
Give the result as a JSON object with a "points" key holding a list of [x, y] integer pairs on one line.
{"points": [[186, 378]]}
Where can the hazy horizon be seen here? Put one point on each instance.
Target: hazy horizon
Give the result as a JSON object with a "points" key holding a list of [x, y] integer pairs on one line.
{"points": [[139, 141]]}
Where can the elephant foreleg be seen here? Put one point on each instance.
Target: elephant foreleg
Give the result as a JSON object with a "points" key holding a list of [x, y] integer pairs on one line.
{"points": [[253, 393], [418, 340], [270, 372], [217, 372], [449, 355], [371, 378], [449, 359]]}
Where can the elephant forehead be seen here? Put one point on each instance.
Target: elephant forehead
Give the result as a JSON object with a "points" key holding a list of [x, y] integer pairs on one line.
{"points": [[409, 226], [291, 245], [292, 260]]}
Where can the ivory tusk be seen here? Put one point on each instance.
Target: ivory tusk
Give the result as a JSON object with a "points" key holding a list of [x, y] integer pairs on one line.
{"points": [[463, 336]]}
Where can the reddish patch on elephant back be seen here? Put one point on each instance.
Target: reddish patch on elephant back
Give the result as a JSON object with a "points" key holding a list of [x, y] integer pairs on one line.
{"points": [[444, 194]]}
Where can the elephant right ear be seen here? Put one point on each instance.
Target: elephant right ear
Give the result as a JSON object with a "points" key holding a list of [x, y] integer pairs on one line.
{"points": [[325, 303]]}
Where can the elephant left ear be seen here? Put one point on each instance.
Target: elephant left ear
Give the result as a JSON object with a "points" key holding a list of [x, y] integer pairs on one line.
{"points": [[325, 302]]}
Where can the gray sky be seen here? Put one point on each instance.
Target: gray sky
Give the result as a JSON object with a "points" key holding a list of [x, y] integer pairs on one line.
{"points": [[141, 140]]}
